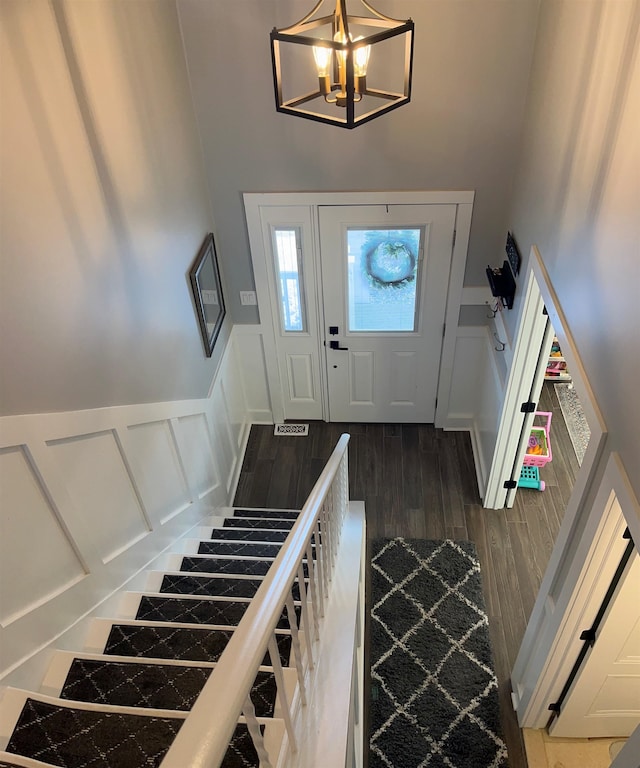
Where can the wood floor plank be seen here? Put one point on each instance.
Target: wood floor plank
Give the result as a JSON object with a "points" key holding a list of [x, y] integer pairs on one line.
{"points": [[508, 593], [392, 492], [527, 571], [450, 489], [432, 495], [475, 525], [412, 464], [468, 480], [284, 482]]}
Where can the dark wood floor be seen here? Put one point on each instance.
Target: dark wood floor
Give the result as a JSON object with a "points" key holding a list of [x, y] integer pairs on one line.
{"points": [[420, 482]]}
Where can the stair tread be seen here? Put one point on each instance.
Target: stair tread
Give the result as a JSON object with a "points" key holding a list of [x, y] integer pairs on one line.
{"points": [[158, 686], [212, 564], [266, 514], [198, 611], [7, 762], [218, 586], [228, 565], [169, 642], [186, 611], [242, 548], [69, 737], [253, 522], [248, 534], [239, 549], [72, 737]]}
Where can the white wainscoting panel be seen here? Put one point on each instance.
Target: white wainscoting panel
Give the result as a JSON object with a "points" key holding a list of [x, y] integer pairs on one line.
{"points": [[223, 435], [197, 453], [469, 364], [89, 498], [233, 396], [30, 532], [158, 471], [475, 399], [252, 362], [100, 487], [487, 421]]}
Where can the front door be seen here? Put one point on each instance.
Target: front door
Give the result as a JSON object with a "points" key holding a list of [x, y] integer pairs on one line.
{"points": [[385, 273]]}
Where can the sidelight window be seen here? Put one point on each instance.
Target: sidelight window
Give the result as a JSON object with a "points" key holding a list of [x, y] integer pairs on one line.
{"points": [[289, 279]]}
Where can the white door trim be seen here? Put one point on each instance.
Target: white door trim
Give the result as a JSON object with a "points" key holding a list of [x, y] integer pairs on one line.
{"points": [[254, 202]]}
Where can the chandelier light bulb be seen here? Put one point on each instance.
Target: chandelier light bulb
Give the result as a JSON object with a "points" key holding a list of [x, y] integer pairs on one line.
{"points": [[322, 58]]}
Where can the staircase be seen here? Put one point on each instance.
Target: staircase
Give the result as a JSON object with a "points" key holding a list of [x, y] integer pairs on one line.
{"points": [[122, 700]]}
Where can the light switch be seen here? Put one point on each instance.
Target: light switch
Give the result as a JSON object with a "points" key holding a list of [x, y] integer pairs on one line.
{"points": [[248, 298]]}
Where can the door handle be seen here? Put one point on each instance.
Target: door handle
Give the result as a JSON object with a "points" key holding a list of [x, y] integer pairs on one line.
{"points": [[336, 345]]}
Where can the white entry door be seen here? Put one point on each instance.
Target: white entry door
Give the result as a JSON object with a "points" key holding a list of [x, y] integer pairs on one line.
{"points": [[385, 274], [604, 700]]}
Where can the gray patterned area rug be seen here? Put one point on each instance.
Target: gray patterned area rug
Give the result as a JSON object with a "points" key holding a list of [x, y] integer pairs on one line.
{"points": [[434, 699]]}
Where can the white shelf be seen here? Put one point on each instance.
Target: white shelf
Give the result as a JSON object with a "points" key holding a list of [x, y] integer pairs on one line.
{"points": [[557, 365]]}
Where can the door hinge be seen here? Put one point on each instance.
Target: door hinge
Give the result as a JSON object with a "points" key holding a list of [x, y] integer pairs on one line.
{"points": [[528, 407], [510, 484], [453, 242], [444, 329], [589, 636], [554, 707], [627, 534]]}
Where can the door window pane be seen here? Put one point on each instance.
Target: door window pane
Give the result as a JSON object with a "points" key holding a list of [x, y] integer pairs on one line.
{"points": [[382, 269], [289, 279]]}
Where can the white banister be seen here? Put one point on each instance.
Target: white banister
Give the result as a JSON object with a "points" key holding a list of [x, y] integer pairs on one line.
{"points": [[203, 738]]}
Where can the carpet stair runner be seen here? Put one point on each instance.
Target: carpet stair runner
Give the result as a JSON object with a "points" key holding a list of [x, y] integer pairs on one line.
{"points": [[121, 701]]}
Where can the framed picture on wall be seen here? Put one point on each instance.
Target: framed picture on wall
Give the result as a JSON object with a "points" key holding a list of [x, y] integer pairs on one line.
{"points": [[204, 276]]}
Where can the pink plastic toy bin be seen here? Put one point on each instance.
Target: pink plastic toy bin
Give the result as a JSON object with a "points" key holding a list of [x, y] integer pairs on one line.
{"points": [[539, 446]]}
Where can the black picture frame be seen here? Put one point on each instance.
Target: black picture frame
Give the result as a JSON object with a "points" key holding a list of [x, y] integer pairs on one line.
{"points": [[204, 276]]}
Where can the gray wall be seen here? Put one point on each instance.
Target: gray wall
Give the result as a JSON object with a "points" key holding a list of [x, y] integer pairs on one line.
{"points": [[460, 131], [104, 204], [578, 195]]}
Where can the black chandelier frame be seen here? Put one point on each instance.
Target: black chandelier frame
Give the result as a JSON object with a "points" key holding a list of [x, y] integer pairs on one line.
{"points": [[354, 88]]}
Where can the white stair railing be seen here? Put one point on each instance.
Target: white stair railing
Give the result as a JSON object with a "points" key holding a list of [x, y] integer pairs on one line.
{"points": [[205, 735]]}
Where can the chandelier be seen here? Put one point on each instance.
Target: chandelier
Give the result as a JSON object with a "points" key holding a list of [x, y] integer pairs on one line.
{"points": [[342, 69]]}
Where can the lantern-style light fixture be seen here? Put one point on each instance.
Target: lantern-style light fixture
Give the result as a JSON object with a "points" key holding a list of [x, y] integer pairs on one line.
{"points": [[340, 68]]}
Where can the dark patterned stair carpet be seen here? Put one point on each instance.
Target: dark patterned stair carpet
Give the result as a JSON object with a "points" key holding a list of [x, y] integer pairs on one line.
{"points": [[249, 522], [220, 565], [215, 586], [186, 644], [242, 549], [239, 549], [231, 534], [75, 738], [157, 686], [224, 613], [191, 564], [277, 514]]}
